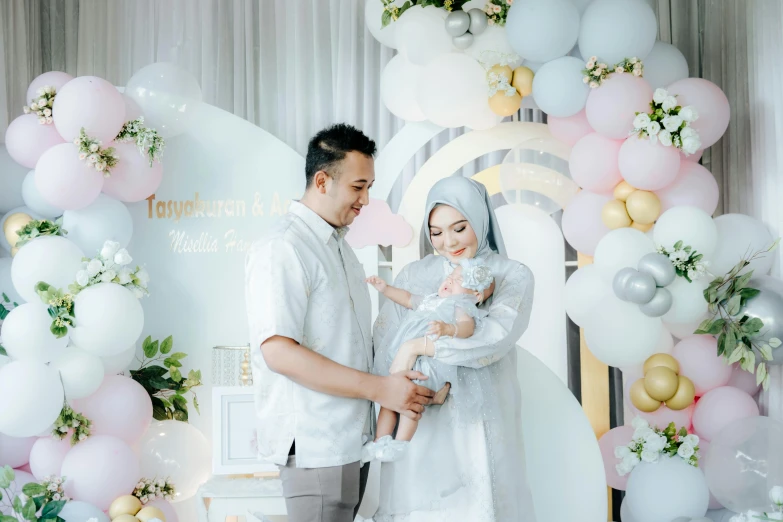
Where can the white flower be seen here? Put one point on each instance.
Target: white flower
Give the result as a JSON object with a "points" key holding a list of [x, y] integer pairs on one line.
{"points": [[107, 276], [590, 64], [144, 499], [125, 275], [692, 274], [634, 59], [52, 487], [56, 496], [659, 95], [642, 433], [161, 483], [665, 137], [100, 167], [597, 72], [94, 147], [75, 423], [497, 8], [688, 132], [593, 85], [585, 79], [655, 442], [672, 123], [669, 103], [653, 128], [637, 72], [94, 267], [621, 452], [140, 485], [619, 70], [122, 257], [623, 469], [82, 437], [82, 156], [151, 496], [690, 144], [688, 113], [26, 109], [109, 249], [82, 278], [42, 121], [776, 495], [650, 456], [47, 112], [593, 59], [639, 422], [34, 106], [42, 102], [685, 451], [138, 292], [491, 21], [92, 158]]}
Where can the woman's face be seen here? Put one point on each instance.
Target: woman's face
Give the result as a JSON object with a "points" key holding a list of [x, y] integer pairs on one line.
{"points": [[451, 234]]}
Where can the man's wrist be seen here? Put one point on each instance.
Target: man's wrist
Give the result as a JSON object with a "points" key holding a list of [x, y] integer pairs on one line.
{"points": [[369, 387]]}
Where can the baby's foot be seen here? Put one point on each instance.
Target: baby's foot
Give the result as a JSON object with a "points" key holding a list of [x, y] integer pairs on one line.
{"points": [[371, 450], [440, 397], [392, 450]]}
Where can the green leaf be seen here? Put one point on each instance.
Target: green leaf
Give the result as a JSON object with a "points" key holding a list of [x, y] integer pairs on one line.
{"points": [[32, 489], [766, 352], [178, 356], [721, 344], [158, 383], [28, 511], [742, 280], [678, 244], [151, 371], [52, 509], [704, 327], [761, 373], [166, 345], [146, 343], [180, 415], [176, 376], [753, 326], [716, 327], [385, 19], [180, 402], [737, 354], [17, 505], [730, 341], [151, 350], [195, 404], [733, 306], [166, 403], [6, 477], [774, 342], [2, 351], [6, 518], [169, 362], [58, 331], [159, 411]]}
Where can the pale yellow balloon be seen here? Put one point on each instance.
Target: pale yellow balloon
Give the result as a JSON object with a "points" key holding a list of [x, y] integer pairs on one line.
{"points": [[641, 399], [661, 359], [644, 207], [684, 395], [13, 223], [523, 80], [504, 105], [661, 383], [614, 215], [623, 190], [124, 505], [150, 512], [643, 228], [125, 518], [14, 250], [502, 70]]}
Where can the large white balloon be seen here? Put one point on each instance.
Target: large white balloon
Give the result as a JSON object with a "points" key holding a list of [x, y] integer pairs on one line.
{"points": [[12, 177], [421, 34], [691, 225], [26, 334], [664, 65], [109, 318], [739, 235], [612, 30], [114, 364], [373, 12], [685, 486], [81, 372], [467, 87], [51, 259], [492, 47], [688, 304], [31, 398], [542, 31], [583, 291], [683, 330], [104, 219], [621, 248], [168, 95], [558, 87], [34, 201], [78, 511], [399, 84], [6, 283]]}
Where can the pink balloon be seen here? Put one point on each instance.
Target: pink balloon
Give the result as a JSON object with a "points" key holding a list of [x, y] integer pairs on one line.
{"points": [[121, 408], [647, 165], [571, 129], [695, 186], [612, 107], [703, 448], [582, 225], [21, 478], [25, 468], [26, 139], [64, 180], [692, 157], [593, 163], [710, 103], [55, 79], [720, 407], [132, 179], [47, 455], [132, 109], [15, 451], [92, 103], [166, 507], [619, 436], [699, 361], [663, 416], [743, 380], [99, 470]]}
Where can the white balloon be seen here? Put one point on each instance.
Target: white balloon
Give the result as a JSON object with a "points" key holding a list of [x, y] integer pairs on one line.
{"points": [[542, 31], [664, 65], [583, 291], [467, 90], [7, 284], [625, 513], [24, 210], [114, 364], [581, 5], [688, 303], [51, 259], [492, 47], [558, 87], [691, 225], [26, 334], [108, 319], [12, 177], [31, 398], [106, 218], [168, 95], [738, 235], [621, 248], [421, 34], [686, 489], [683, 330], [373, 11], [81, 372], [399, 82], [612, 30], [533, 66], [34, 200], [78, 511]]}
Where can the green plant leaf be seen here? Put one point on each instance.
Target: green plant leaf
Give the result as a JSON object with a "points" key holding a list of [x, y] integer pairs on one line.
{"points": [[761, 373], [704, 327], [17, 505], [737, 354], [730, 341], [32, 489], [2, 351], [150, 371], [6, 477], [146, 347], [766, 353], [721, 344], [158, 384], [752, 326], [166, 345], [159, 411], [180, 402], [169, 362], [733, 306], [178, 356], [176, 376], [180, 415], [774, 342], [195, 404], [385, 19], [29, 509], [6, 518], [716, 327], [52, 509]]}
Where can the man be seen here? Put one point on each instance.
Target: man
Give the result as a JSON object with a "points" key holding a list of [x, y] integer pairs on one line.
{"points": [[309, 313]]}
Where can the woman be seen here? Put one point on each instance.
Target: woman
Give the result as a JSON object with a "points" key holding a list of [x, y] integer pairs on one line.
{"points": [[485, 436]]}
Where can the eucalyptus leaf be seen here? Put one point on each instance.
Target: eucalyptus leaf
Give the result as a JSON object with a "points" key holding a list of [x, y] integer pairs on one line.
{"points": [[733, 306], [166, 345], [176, 376], [716, 327], [33, 488], [6, 477], [29, 509], [172, 362], [178, 356], [737, 354], [761, 373], [774, 342], [721, 344], [766, 352]]}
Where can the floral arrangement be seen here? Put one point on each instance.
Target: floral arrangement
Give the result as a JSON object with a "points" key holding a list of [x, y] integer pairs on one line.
{"points": [[149, 142], [150, 489], [60, 308], [111, 266], [91, 151], [738, 336], [649, 443], [499, 83], [391, 13], [687, 262], [497, 11], [37, 228], [668, 123], [46, 498], [595, 72], [42, 106], [71, 420], [53, 487], [776, 498]]}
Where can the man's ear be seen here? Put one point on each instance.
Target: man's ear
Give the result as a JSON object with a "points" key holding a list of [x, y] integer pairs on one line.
{"points": [[321, 180]]}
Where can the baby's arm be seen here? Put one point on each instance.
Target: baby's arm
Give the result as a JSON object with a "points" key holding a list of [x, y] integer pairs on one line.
{"points": [[398, 295], [463, 327]]}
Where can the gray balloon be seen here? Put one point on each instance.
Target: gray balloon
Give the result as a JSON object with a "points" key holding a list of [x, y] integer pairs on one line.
{"points": [[457, 23], [478, 21], [659, 267], [462, 41], [620, 278], [767, 306], [659, 304], [640, 288]]}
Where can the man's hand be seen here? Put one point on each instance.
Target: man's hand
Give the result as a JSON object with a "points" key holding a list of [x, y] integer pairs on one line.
{"points": [[398, 393], [377, 282]]}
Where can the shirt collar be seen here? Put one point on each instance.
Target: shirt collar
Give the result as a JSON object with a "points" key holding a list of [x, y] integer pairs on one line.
{"points": [[323, 230]]}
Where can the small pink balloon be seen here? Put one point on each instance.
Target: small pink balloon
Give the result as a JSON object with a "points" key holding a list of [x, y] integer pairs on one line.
{"points": [[699, 361], [619, 436], [132, 179], [121, 407], [692, 157], [65, 181], [593, 163], [743, 380], [132, 109], [27, 140], [612, 107], [710, 103], [15, 451], [55, 79], [25, 468], [703, 448], [695, 186], [720, 407], [47, 455], [571, 129], [92, 103], [663, 416], [647, 165], [99, 470], [166, 507], [582, 224]]}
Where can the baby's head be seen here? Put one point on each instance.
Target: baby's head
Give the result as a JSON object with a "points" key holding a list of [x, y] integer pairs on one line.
{"points": [[470, 277]]}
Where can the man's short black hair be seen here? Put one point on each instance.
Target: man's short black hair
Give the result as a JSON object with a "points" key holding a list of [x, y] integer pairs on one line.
{"points": [[329, 147]]}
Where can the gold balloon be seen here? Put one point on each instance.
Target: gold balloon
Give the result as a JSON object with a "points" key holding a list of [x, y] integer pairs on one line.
{"points": [[684, 395], [503, 105], [641, 399], [150, 512], [523, 80], [124, 505], [502, 70], [14, 250], [13, 223], [125, 518], [644, 207], [614, 215], [661, 359], [643, 228], [661, 383], [623, 190]]}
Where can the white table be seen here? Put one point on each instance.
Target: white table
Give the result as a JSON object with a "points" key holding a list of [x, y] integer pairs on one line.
{"points": [[226, 496]]}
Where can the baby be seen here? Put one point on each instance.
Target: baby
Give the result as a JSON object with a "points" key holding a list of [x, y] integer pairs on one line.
{"points": [[453, 311]]}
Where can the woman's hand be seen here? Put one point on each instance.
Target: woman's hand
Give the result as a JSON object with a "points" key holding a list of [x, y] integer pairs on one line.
{"points": [[377, 282], [439, 328]]}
